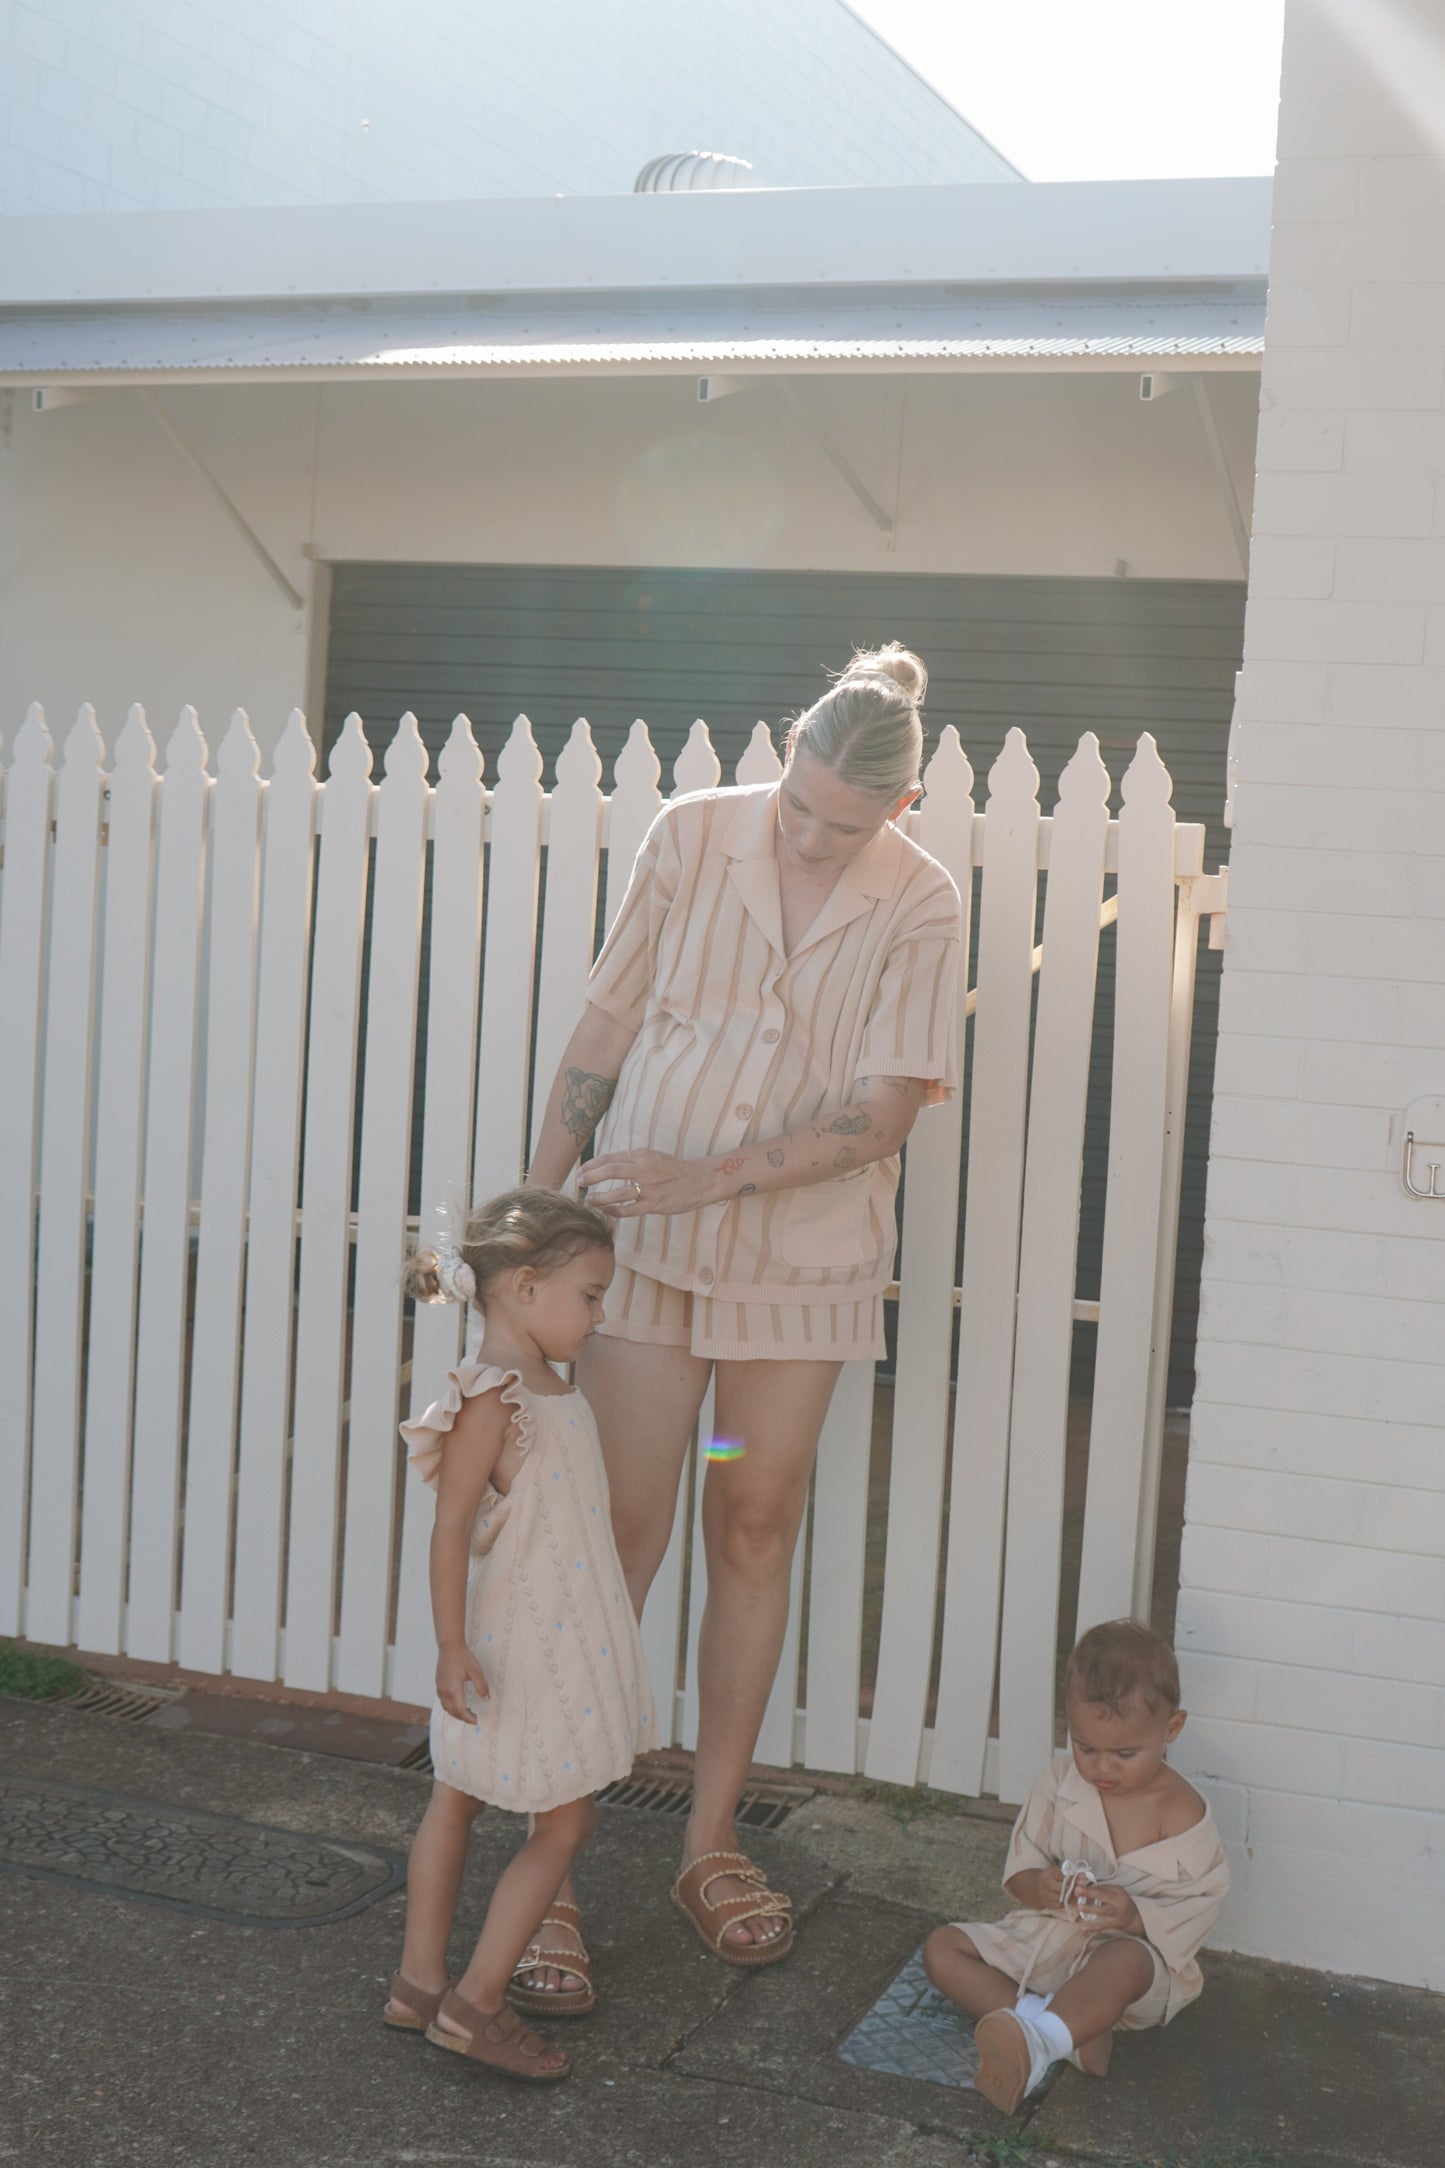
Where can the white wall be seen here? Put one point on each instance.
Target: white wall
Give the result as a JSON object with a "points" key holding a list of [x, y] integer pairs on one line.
{"points": [[1312, 1617], [121, 579], [188, 104]]}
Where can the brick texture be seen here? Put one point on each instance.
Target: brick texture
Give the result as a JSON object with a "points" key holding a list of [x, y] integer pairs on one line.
{"points": [[1313, 1565]]}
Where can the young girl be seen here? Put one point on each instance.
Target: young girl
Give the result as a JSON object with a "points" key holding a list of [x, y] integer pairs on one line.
{"points": [[542, 1694], [1120, 1873]]}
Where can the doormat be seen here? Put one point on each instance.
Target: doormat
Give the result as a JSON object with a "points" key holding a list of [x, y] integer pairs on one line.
{"points": [[213, 1865], [914, 2032]]}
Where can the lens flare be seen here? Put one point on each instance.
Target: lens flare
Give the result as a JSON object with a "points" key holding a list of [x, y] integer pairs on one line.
{"points": [[723, 1449]]}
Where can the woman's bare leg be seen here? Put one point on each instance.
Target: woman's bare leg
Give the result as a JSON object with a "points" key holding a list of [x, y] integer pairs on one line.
{"points": [[752, 1510], [645, 1400]]}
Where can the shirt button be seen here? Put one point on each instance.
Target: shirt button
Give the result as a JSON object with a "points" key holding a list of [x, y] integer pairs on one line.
{"points": [[742, 1112], [706, 1276], [771, 1036]]}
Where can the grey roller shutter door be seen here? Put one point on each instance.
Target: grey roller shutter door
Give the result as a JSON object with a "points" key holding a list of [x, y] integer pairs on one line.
{"points": [[1057, 657]]}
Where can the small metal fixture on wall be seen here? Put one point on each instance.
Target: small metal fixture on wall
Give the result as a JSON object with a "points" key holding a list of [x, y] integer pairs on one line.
{"points": [[1424, 1134]]}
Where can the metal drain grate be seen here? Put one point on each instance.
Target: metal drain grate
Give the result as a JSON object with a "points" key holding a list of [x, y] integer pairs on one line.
{"points": [[764, 1806], [125, 1701]]}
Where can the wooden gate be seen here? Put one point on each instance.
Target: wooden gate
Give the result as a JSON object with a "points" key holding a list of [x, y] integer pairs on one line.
{"points": [[203, 1347]]}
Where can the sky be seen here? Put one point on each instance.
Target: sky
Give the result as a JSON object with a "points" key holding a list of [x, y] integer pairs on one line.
{"points": [[1096, 90]]}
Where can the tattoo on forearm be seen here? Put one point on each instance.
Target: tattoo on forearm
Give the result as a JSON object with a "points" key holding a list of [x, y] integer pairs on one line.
{"points": [[731, 1166], [776, 1157], [749, 1189], [585, 1099], [847, 1124], [847, 1157]]}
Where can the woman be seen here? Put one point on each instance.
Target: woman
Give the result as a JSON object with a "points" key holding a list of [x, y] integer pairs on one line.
{"points": [[771, 1009]]}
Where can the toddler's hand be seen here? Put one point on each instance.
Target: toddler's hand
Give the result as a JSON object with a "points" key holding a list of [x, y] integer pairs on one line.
{"points": [[457, 1669], [1051, 1888], [1106, 1908]]}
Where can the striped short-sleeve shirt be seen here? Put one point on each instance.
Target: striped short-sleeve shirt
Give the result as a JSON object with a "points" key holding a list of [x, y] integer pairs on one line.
{"points": [[738, 1041]]}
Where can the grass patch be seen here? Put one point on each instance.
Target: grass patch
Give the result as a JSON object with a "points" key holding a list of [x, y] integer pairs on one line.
{"points": [[910, 1803], [29, 1676]]}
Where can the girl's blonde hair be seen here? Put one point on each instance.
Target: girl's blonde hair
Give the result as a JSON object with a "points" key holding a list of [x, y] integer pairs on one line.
{"points": [[536, 1227], [866, 727]]}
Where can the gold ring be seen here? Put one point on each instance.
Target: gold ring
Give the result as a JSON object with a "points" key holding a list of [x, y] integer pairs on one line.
{"points": [[636, 1191]]}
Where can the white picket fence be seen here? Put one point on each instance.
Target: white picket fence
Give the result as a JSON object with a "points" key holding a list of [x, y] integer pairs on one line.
{"points": [[199, 1461]]}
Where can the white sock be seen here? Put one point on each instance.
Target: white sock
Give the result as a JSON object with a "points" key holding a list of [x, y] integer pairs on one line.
{"points": [[1051, 2029]]}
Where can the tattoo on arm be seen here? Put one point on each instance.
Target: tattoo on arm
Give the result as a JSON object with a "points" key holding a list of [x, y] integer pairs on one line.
{"points": [[847, 1157], [731, 1166], [749, 1189], [585, 1099], [776, 1157], [847, 1125]]}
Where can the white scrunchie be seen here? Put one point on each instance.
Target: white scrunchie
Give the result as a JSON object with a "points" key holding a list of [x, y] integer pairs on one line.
{"points": [[455, 1276]]}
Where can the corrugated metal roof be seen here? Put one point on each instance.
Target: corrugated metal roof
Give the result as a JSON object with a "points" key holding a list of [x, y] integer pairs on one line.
{"points": [[650, 330]]}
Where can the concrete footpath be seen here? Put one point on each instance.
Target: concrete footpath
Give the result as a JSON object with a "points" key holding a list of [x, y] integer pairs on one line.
{"points": [[135, 2033]]}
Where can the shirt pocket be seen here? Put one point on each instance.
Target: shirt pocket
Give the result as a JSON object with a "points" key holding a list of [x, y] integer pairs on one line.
{"points": [[827, 1223]]}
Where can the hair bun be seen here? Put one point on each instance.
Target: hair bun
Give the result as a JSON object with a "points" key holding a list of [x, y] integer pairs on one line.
{"points": [[893, 661]]}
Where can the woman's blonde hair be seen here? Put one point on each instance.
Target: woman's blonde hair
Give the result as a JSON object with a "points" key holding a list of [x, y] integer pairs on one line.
{"points": [[866, 727], [536, 1227]]}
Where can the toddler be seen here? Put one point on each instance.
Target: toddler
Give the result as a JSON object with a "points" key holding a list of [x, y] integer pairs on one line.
{"points": [[542, 1695], [1119, 1873]]}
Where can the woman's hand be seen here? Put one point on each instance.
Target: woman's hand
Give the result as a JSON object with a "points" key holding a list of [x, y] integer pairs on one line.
{"points": [[457, 1669], [627, 1184], [1107, 1908]]}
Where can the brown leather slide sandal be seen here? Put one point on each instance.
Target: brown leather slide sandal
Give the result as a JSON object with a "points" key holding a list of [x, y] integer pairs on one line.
{"points": [[563, 2001], [418, 2007], [496, 2038], [712, 1920]]}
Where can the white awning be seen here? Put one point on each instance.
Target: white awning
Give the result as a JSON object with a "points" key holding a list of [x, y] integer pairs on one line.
{"points": [[796, 330]]}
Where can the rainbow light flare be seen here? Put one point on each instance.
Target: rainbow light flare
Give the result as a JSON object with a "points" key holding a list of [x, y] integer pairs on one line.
{"points": [[724, 1449]]}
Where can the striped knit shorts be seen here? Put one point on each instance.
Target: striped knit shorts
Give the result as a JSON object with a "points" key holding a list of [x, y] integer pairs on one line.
{"points": [[651, 1312]]}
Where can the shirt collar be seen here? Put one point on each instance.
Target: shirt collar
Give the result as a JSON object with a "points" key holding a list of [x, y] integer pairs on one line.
{"points": [[749, 834], [1190, 1851]]}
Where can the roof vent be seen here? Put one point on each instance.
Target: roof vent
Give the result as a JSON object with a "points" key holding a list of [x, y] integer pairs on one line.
{"points": [[681, 172]]}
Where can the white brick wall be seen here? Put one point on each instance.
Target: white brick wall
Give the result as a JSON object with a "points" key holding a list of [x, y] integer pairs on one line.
{"points": [[1310, 1620], [160, 105]]}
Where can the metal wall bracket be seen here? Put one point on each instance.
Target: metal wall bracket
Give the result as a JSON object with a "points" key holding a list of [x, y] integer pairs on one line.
{"points": [[1424, 1121]]}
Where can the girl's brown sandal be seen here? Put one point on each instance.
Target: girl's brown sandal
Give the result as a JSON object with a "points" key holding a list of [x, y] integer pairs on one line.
{"points": [[712, 1921], [497, 2038], [562, 2001], [418, 2006]]}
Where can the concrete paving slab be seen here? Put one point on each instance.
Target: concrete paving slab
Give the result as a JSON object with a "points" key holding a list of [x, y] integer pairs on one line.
{"points": [[272, 1723]]}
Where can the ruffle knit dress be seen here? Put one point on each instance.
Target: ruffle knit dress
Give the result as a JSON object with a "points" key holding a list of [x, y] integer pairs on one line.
{"points": [[548, 1615]]}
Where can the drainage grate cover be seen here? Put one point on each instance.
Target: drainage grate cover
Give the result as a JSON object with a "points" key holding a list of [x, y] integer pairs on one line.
{"points": [[210, 1864], [914, 2032], [763, 1806], [123, 1700]]}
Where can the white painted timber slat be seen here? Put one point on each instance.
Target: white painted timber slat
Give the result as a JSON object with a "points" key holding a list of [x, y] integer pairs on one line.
{"points": [[230, 1028], [64, 1169], [115, 1261], [28, 794], [513, 865], [631, 811], [697, 766], [835, 1579], [286, 886], [326, 1209], [760, 762], [165, 1263], [1118, 1448], [990, 1271], [574, 836], [1038, 1429], [453, 982], [943, 826], [391, 1008]]}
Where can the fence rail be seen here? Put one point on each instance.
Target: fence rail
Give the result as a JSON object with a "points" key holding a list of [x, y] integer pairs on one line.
{"points": [[212, 986]]}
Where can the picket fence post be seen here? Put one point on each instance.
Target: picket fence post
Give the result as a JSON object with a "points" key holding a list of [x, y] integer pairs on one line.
{"points": [[29, 787]]}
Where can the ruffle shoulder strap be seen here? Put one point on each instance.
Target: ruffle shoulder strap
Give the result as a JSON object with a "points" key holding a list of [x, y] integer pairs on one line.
{"points": [[423, 1437]]}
